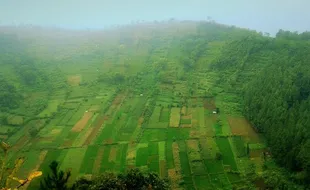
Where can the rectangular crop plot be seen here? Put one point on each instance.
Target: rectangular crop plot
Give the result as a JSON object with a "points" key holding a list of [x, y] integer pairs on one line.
{"points": [[44, 167], [240, 126], [142, 157], [169, 155], [186, 170], [73, 161], [202, 182], [153, 163], [209, 148], [227, 154], [175, 117], [66, 118], [239, 146], [164, 115], [154, 135], [51, 108], [155, 115], [89, 159], [178, 133], [220, 181], [161, 150], [158, 125], [162, 168], [214, 166]]}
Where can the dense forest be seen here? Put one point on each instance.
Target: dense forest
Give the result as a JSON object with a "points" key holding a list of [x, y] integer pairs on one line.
{"points": [[272, 74], [48, 74]]}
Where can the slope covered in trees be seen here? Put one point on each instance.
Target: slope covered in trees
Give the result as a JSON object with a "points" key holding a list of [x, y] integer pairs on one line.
{"points": [[273, 76]]}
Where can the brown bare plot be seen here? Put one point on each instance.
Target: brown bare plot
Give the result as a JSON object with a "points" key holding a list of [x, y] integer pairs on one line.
{"points": [[97, 162], [74, 80], [175, 178], [176, 172], [240, 126], [175, 117], [193, 145], [84, 138], [21, 142], [79, 126], [194, 134], [162, 168], [95, 129], [3, 137], [113, 152], [209, 104]]}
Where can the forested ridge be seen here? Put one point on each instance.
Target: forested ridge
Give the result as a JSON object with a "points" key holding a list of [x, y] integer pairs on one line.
{"points": [[272, 75], [50, 79]]}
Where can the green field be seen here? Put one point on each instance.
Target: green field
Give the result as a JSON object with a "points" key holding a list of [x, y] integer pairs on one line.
{"points": [[142, 99]]}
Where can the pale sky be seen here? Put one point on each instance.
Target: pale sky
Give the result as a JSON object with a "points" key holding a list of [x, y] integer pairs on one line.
{"points": [[261, 15]]}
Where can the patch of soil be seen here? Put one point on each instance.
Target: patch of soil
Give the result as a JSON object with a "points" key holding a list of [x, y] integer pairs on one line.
{"points": [[74, 80], [3, 137], [192, 145], [256, 153], [67, 144], [97, 162], [162, 168], [140, 121], [108, 141], [113, 152], [79, 126], [21, 142], [176, 157], [98, 123], [185, 125], [209, 104], [194, 134]]}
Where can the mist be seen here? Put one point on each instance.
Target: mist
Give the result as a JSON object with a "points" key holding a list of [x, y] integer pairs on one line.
{"points": [[265, 15]]}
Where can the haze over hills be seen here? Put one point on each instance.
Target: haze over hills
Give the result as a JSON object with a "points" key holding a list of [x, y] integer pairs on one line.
{"points": [[207, 105]]}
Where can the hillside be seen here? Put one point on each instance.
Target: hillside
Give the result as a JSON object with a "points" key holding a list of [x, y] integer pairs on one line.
{"points": [[197, 102]]}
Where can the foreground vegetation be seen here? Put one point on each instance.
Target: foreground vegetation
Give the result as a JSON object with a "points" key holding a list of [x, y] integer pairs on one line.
{"points": [[190, 101]]}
